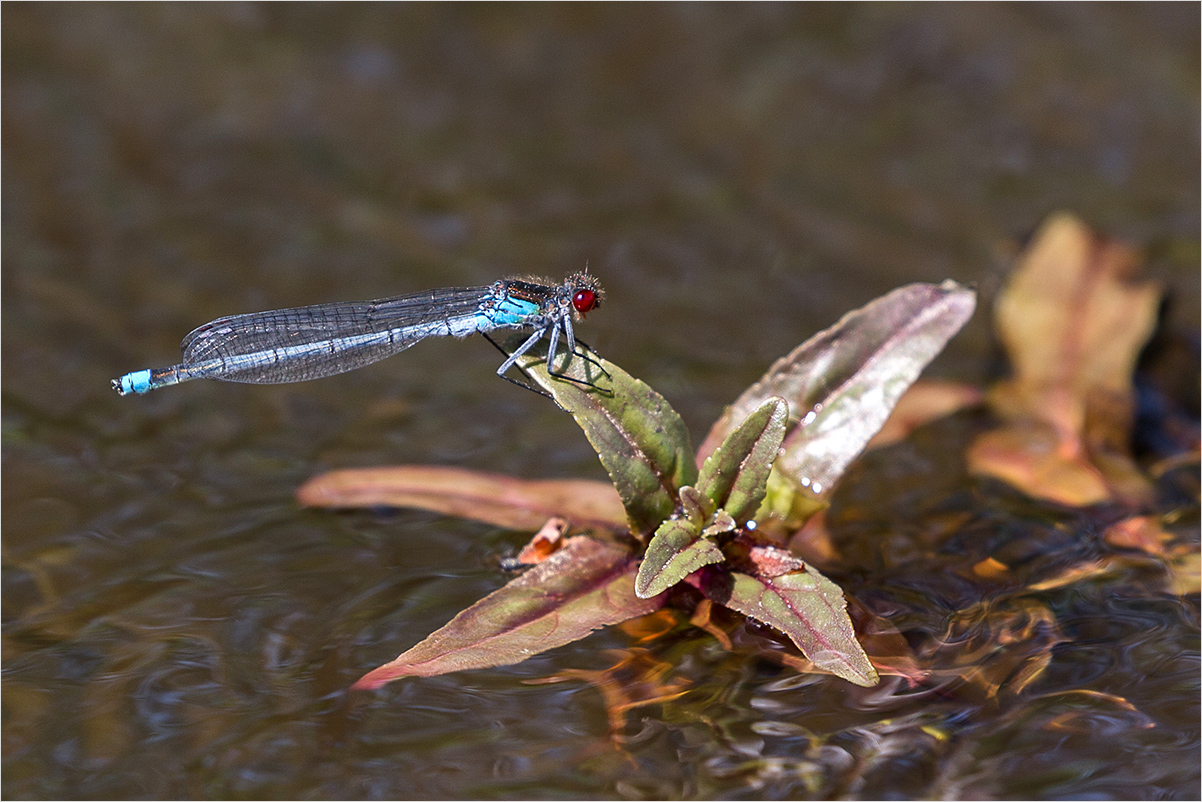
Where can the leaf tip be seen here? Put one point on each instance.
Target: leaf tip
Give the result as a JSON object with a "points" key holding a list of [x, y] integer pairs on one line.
{"points": [[648, 582], [372, 680], [864, 675]]}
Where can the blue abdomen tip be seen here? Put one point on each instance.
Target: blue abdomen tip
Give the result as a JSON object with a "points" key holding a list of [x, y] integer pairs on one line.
{"points": [[136, 382]]}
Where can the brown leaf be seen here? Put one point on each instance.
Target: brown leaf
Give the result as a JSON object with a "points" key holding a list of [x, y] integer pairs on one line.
{"points": [[651, 626], [1080, 572], [523, 504], [545, 542], [1029, 455], [1138, 532], [991, 568], [1073, 320], [997, 645], [1185, 574], [703, 618], [1082, 716]]}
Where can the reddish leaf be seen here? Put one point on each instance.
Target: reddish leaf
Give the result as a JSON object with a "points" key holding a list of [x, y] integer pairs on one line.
{"points": [[800, 602], [768, 562], [584, 586], [492, 498], [843, 382]]}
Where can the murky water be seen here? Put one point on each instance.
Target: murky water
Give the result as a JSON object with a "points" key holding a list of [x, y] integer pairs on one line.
{"points": [[175, 626]]}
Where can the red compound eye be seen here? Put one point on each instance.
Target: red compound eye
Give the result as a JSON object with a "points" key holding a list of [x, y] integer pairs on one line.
{"points": [[584, 301]]}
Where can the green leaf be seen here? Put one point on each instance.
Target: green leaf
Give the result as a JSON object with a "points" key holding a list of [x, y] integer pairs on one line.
{"points": [[673, 553], [696, 507], [586, 585], [523, 504], [842, 383], [786, 593], [736, 474], [640, 439]]}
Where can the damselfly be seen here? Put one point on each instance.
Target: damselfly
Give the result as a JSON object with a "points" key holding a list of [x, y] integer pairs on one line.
{"points": [[309, 342]]}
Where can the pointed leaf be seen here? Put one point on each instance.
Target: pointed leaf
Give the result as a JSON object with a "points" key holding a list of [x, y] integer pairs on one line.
{"points": [[640, 439], [844, 381], [735, 476], [791, 596], [673, 553], [492, 498], [584, 586], [697, 508]]}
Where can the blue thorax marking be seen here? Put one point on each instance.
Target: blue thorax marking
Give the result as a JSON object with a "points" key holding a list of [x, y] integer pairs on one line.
{"points": [[510, 311]]}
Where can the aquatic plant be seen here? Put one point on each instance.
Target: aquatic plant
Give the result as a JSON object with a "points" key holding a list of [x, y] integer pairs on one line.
{"points": [[715, 520]]}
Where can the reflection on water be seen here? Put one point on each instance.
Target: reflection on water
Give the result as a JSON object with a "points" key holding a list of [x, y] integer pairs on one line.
{"points": [[175, 626]]}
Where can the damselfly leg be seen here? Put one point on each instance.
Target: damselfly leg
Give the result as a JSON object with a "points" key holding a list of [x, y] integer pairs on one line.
{"points": [[582, 353]]}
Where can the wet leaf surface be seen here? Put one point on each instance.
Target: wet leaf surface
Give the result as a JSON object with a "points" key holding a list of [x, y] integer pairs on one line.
{"points": [[794, 598], [843, 382], [584, 586]]}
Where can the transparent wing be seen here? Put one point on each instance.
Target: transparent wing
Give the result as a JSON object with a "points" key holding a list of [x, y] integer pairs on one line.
{"points": [[309, 342]]}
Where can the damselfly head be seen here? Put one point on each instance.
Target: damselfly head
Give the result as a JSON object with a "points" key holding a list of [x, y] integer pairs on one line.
{"points": [[586, 292]]}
